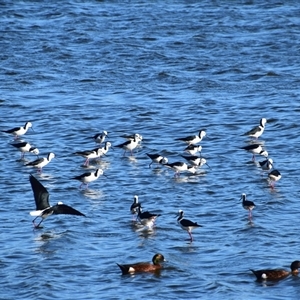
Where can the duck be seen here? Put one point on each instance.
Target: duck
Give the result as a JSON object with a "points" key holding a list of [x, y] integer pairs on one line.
{"points": [[186, 224], [257, 131], [277, 274], [18, 131], [143, 266], [193, 139], [43, 208], [157, 158], [248, 205]]}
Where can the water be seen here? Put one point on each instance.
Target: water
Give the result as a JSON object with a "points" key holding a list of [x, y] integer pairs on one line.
{"points": [[164, 70]]}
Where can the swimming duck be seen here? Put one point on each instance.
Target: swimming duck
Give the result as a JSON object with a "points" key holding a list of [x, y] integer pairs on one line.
{"points": [[277, 274], [143, 266]]}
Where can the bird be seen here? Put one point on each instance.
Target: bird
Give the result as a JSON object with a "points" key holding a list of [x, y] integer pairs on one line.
{"points": [[257, 131], [89, 154], [41, 162], [43, 208], [134, 208], [193, 139], [186, 224], [248, 205], [157, 158], [266, 164], [146, 218], [274, 176], [255, 149], [143, 266], [105, 149], [132, 136], [177, 167], [100, 137], [25, 147], [276, 274], [88, 177], [193, 149], [195, 160], [18, 131], [130, 145]]}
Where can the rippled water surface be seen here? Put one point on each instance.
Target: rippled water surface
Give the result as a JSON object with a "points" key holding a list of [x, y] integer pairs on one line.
{"points": [[164, 70]]}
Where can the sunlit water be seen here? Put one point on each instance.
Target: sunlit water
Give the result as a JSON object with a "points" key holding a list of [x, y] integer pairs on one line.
{"points": [[163, 70]]}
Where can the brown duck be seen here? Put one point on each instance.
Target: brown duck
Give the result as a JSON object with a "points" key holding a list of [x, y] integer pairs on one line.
{"points": [[278, 273], [143, 266]]}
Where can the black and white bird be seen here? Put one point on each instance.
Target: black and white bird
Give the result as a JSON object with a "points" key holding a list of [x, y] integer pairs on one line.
{"points": [[186, 224], [178, 167], [134, 208], [255, 149], [88, 177], [25, 147], [146, 218], [18, 131], [133, 136], [43, 208], [157, 158], [89, 154], [130, 145], [193, 149], [100, 137], [193, 139], [41, 162], [248, 205], [257, 131], [266, 164], [273, 177], [196, 160], [105, 149]]}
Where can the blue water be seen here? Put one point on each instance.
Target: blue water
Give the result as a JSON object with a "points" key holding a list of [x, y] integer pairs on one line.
{"points": [[164, 70]]}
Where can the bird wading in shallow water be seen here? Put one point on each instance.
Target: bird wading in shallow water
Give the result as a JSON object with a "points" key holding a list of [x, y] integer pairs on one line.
{"points": [[276, 274], [177, 167], [40, 163], [100, 137], [18, 131], [130, 145], [257, 131], [88, 177], [134, 208], [89, 154], [43, 208], [193, 139], [25, 147], [248, 205], [193, 149], [186, 224], [157, 158], [273, 177], [143, 266], [255, 149], [266, 165]]}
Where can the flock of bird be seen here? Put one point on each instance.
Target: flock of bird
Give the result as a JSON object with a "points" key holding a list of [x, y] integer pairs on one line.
{"points": [[145, 219]]}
